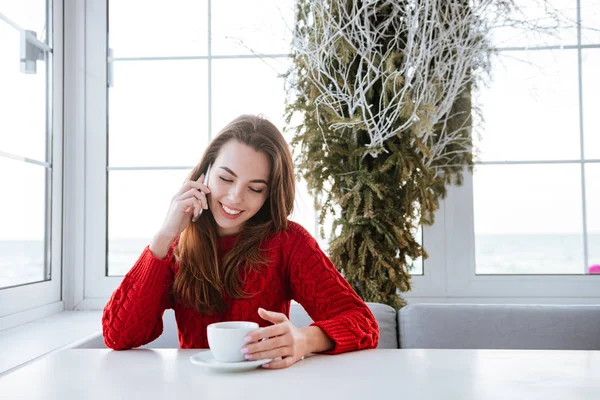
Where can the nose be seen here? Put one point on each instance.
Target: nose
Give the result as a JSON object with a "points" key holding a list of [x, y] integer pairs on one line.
{"points": [[235, 194]]}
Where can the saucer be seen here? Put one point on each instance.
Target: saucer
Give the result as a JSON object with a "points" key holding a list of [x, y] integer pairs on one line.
{"points": [[206, 359]]}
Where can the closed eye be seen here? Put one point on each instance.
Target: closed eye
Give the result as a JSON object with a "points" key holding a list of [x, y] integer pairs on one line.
{"points": [[231, 180]]}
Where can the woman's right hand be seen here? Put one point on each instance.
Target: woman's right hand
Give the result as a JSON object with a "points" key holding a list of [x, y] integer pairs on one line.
{"points": [[186, 206]]}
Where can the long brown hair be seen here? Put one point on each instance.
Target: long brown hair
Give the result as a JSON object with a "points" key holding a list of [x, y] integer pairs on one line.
{"points": [[202, 277]]}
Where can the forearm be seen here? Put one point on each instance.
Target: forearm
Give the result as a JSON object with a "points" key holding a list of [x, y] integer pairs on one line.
{"points": [[317, 341], [132, 316]]}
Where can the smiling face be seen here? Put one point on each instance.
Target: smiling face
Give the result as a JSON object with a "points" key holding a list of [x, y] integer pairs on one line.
{"points": [[239, 186]]}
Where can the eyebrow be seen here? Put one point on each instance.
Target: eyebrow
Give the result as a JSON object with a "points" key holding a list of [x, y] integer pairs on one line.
{"points": [[252, 181]]}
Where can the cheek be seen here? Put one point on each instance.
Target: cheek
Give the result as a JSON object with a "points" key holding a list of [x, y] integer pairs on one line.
{"points": [[213, 199], [259, 201], [217, 192]]}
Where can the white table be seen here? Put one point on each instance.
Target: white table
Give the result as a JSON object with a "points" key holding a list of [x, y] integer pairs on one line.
{"points": [[373, 374]]}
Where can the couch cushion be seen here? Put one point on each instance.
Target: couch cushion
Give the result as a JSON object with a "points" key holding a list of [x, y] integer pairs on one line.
{"points": [[384, 314], [475, 326]]}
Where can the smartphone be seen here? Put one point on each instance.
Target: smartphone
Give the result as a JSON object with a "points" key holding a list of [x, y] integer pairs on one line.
{"points": [[206, 174]]}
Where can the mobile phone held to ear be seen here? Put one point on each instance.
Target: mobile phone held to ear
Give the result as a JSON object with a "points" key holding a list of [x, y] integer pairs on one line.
{"points": [[206, 174]]}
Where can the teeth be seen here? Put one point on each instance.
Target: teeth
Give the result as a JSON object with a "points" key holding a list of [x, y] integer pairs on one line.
{"points": [[229, 210]]}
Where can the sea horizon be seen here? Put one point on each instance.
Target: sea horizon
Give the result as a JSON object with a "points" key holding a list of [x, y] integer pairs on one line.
{"points": [[21, 261]]}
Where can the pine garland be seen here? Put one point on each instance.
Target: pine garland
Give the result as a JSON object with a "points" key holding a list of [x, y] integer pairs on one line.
{"points": [[383, 91]]}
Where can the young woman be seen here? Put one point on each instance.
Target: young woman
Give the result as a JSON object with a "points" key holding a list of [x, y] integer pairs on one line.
{"points": [[227, 252]]}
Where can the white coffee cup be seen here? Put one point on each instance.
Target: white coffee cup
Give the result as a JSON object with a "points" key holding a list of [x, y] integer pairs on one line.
{"points": [[226, 339]]}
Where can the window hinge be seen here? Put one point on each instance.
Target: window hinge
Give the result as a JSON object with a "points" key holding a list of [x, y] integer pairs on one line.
{"points": [[30, 52]]}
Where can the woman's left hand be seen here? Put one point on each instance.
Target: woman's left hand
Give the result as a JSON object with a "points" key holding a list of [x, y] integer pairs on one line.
{"points": [[283, 339]]}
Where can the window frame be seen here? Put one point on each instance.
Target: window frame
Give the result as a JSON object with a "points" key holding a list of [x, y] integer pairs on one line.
{"points": [[453, 261], [449, 272], [97, 285], [32, 300], [455, 255]]}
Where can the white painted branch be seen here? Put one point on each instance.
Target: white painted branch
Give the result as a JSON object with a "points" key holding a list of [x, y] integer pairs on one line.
{"points": [[438, 45]]}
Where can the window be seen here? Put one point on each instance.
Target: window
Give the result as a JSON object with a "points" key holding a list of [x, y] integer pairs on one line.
{"points": [[529, 188], [30, 156], [525, 224], [169, 92], [536, 175]]}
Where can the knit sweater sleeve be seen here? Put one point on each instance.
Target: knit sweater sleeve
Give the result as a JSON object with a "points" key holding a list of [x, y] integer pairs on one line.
{"points": [[133, 315], [327, 297]]}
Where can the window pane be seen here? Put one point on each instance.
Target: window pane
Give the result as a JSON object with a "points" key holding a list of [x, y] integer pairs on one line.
{"points": [[304, 208], [23, 221], [22, 101], [155, 28], [556, 19], [158, 113], [138, 202], [256, 26], [528, 219], [590, 21], [248, 86], [28, 14], [530, 111], [592, 194], [591, 102]]}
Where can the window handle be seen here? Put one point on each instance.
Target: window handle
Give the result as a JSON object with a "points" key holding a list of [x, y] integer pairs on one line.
{"points": [[109, 69]]}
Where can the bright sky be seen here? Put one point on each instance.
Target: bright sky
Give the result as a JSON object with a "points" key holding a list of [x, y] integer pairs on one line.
{"points": [[164, 105]]}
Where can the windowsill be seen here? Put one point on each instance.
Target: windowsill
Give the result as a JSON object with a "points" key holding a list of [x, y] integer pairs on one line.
{"points": [[27, 342]]}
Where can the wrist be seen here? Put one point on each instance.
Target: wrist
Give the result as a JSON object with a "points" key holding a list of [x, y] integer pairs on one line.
{"points": [[315, 340], [160, 245]]}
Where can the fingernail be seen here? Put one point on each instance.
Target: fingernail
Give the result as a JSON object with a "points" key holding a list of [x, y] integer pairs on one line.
{"points": [[247, 339], [248, 356], [244, 350], [265, 365]]}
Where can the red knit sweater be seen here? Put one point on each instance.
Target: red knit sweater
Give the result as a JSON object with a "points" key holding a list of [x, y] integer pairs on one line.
{"points": [[298, 270]]}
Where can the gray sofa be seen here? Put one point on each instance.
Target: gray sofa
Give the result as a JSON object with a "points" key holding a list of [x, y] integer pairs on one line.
{"points": [[476, 326], [454, 326]]}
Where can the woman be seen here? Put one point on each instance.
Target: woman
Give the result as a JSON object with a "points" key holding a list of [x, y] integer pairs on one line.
{"points": [[229, 253]]}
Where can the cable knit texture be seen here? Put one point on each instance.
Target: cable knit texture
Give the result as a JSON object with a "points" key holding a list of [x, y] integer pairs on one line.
{"points": [[297, 269]]}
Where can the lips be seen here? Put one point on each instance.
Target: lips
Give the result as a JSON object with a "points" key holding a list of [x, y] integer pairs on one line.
{"points": [[225, 214]]}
